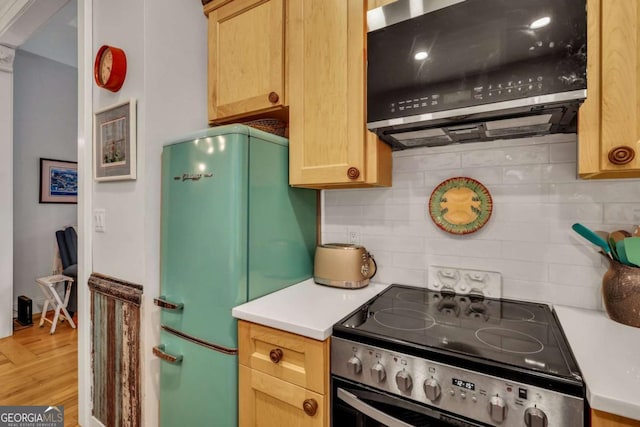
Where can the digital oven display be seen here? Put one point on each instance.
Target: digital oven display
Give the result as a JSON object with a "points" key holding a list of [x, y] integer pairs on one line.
{"points": [[464, 384], [453, 97]]}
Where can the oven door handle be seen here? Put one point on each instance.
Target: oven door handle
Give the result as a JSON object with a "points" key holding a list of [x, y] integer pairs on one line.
{"points": [[368, 410]]}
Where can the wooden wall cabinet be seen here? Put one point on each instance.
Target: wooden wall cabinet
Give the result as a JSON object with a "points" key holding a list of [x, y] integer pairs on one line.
{"points": [[247, 59], [329, 145], [604, 419], [283, 378], [609, 120]]}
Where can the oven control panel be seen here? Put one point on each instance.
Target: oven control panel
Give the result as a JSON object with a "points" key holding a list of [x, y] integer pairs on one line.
{"points": [[488, 399]]}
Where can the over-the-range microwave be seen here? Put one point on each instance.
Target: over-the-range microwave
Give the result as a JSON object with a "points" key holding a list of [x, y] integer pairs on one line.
{"points": [[451, 71]]}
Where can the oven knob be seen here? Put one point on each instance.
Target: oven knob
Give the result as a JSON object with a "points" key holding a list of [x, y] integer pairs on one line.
{"points": [[534, 417], [378, 373], [404, 381], [355, 365], [497, 409], [432, 389]]}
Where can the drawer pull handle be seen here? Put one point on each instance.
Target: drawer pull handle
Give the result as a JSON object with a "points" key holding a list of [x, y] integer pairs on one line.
{"points": [[621, 155], [159, 352], [275, 355], [310, 407], [273, 97], [353, 173]]}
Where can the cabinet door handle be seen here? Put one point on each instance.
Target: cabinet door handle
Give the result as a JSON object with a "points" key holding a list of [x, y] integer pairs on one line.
{"points": [[159, 352], [310, 407], [353, 173], [621, 155], [168, 305], [275, 355], [273, 97]]}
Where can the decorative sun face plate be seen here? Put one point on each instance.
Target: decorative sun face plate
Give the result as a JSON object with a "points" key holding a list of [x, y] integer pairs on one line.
{"points": [[460, 205]]}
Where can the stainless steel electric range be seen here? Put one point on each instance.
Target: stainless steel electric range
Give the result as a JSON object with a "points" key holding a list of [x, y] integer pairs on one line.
{"points": [[418, 357]]}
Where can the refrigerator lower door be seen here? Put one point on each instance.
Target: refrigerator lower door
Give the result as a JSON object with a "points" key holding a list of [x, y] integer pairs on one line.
{"points": [[200, 388]]}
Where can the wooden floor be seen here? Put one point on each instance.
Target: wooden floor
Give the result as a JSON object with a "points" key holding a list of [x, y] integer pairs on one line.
{"points": [[37, 368]]}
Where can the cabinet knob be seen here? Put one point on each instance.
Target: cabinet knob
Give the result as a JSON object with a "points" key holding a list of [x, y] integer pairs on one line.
{"points": [[353, 173], [273, 97], [275, 355], [310, 407], [621, 155]]}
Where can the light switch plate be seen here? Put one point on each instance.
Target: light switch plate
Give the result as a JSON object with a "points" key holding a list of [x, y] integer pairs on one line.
{"points": [[99, 220], [463, 280]]}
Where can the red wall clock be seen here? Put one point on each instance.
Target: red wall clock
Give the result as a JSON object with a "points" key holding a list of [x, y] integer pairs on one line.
{"points": [[110, 68]]}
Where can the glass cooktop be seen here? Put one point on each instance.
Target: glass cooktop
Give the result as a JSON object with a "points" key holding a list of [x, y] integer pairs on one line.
{"points": [[516, 333]]}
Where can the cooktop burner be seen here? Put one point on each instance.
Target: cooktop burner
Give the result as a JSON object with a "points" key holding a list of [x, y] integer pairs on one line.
{"points": [[516, 333]]}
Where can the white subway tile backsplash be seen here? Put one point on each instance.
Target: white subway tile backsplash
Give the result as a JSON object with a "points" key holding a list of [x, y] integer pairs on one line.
{"points": [[529, 154], [622, 212], [416, 261], [536, 195], [487, 176], [408, 179], [522, 174], [524, 193], [464, 247], [425, 163], [576, 275], [559, 172], [563, 152]]}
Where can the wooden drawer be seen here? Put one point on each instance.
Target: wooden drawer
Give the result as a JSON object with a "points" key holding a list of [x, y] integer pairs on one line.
{"points": [[270, 402], [296, 359]]}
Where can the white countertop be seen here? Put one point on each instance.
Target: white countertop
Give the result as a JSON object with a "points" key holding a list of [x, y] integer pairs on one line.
{"points": [[608, 354], [306, 308]]}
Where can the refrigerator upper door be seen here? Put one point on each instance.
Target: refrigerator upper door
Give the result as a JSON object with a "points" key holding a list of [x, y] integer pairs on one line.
{"points": [[204, 235]]}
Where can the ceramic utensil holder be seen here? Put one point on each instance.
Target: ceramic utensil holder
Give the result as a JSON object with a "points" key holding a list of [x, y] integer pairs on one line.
{"points": [[621, 293]]}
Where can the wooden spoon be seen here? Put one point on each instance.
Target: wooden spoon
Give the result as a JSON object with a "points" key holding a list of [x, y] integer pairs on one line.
{"points": [[636, 231]]}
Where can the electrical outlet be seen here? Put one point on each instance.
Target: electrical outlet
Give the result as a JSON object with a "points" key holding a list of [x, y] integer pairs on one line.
{"points": [[354, 237]]}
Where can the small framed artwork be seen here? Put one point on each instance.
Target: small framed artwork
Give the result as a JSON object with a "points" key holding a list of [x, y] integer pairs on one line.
{"points": [[58, 181], [114, 142]]}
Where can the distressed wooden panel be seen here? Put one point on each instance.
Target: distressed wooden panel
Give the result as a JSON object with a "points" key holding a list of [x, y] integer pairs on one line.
{"points": [[115, 315]]}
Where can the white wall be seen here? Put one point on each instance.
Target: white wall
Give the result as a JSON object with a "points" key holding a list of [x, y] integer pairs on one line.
{"points": [[44, 126], [6, 189], [165, 43], [537, 198]]}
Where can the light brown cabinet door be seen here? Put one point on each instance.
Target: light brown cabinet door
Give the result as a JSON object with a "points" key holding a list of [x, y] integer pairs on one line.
{"points": [[609, 120], [270, 402], [604, 419], [329, 146], [246, 58]]}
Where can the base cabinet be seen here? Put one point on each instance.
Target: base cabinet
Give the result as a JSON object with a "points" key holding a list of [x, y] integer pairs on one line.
{"points": [[283, 378], [609, 120], [604, 419]]}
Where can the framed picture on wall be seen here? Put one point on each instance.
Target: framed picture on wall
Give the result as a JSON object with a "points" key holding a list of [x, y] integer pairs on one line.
{"points": [[58, 181], [114, 142]]}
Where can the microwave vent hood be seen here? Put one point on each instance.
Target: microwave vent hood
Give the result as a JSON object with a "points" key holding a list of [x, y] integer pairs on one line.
{"points": [[459, 71]]}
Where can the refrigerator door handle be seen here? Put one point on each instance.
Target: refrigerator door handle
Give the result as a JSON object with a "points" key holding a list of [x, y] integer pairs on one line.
{"points": [[168, 305], [159, 352]]}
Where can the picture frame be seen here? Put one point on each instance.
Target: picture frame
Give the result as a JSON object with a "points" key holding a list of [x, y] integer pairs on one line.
{"points": [[114, 142], [58, 181]]}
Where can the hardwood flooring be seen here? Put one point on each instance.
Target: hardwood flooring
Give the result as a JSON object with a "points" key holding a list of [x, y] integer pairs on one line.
{"points": [[37, 368]]}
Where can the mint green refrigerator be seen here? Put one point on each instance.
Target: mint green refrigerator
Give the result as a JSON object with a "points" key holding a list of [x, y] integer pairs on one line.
{"points": [[232, 231]]}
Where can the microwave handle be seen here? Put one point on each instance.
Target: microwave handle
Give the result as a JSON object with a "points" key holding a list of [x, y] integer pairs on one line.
{"points": [[368, 410]]}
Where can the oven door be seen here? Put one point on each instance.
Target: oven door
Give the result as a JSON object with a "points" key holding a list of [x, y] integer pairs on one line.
{"points": [[355, 405]]}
